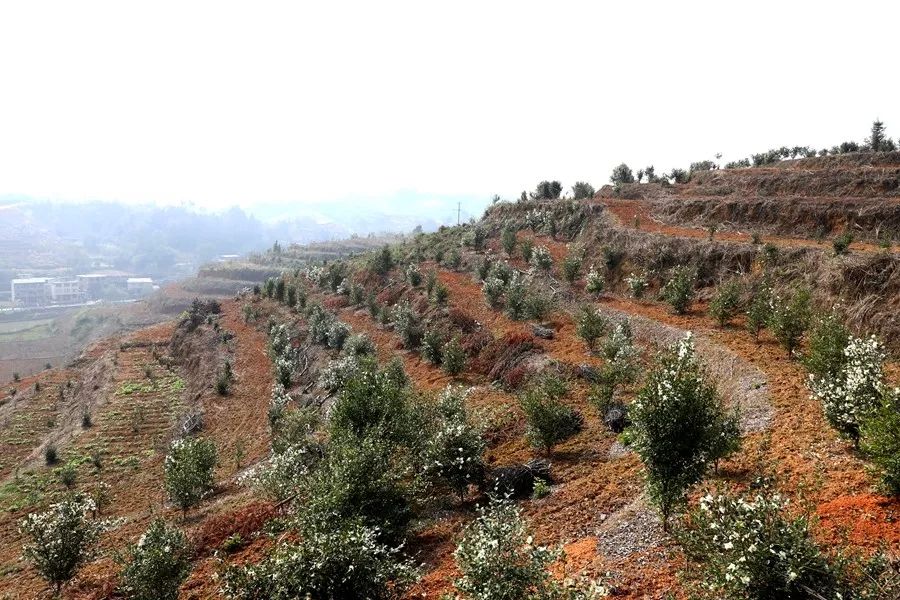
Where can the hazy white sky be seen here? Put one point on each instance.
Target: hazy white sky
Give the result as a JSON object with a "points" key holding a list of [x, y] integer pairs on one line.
{"points": [[219, 103]]}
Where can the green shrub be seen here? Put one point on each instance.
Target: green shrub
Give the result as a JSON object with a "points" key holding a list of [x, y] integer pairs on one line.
{"points": [[508, 240], [157, 564], [726, 302], [516, 294], [383, 261], [591, 325], [61, 540], [50, 454], [621, 357], [679, 290], [758, 309], [541, 489], [364, 478], [637, 284], [440, 294], [414, 275], [373, 402], [571, 267], [827, 340], [493, 291], [475, 238], [594, 282], [430, 281], [454, 259], [538, 304], [502, 271], [541, 258], [853, 393], [453, 453], [880, 436], [335, 559], [789, 318], [454, 357], [483, 269], [549, 421], [406, 322], [498, 561], [68, 473], [188, 471], [223, 382], [751, 549], [283, 475], [841, 244], [432, 342], [295, 428], [526, 247], [676, 418]]}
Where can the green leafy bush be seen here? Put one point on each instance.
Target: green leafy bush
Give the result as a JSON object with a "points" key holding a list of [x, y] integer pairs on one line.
{"points": [[841, 244], [453, 453], [493, 289], [582, 190], [440, 294], [414, 275], [335, 559], [516, 294], [789, 318], [594, 282], [157, 564], [541, 258], [282, 476], [590, 325], [508, 240], [853, 393], [61, 540], [526, 247], [454, 357], [571, 267], [880, 435], [637, 284], [432, 343], [358, 344], [549, 421], [758, 309], [676, 418], [726, 302], [827, 341], [679, 290], [188, 471], [537, 304], [751, 549], [406, 322]]}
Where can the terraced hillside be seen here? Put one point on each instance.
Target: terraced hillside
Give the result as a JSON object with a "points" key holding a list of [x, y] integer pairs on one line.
{"points": [[513, 295]]}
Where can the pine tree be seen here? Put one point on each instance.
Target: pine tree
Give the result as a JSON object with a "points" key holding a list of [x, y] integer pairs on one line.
{"points": [[877, 141]]}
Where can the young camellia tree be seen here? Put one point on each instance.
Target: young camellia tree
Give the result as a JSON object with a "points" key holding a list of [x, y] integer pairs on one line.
{"points": [[856, 390], [549, 420], [158, 564], [453, 453], [188, 471], [679, 423], [789, 318], [679, 290], [499, 561], [62, 539]]}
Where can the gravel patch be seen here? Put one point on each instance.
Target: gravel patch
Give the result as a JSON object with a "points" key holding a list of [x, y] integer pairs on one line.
{"points": [[632, 529]]}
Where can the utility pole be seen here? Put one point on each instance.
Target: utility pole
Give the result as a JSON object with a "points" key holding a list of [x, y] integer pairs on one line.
{"points": [[458, 208]]}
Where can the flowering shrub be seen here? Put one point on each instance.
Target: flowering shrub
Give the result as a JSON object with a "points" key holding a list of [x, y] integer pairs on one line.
{"points": [[338, 333], [359, 344], [758, 309], [538, 304], [319, 321], [336, 559], [62, 539], [188, 471], [679, 290], [621, 357], [406, 322], [277, 404], [508, 240], [499, 561], [493, 290], [852, 394], [637, 284], [453, 452], [752, 550], [594, 282], [158, 564], [333, 377], [677, 421], [502, 271], [540, 258], [279, 477], [516, 294]]}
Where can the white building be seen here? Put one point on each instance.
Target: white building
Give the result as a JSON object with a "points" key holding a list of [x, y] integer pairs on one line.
{"points": [[139, 285]]}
